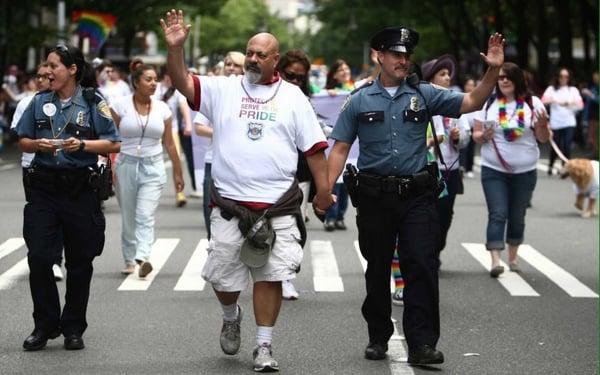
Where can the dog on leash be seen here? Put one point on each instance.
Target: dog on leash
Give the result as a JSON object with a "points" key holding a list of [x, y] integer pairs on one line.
{"points": [[584, 174]]}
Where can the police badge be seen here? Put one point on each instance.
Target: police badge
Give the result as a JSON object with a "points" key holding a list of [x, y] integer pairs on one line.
{"points": [[80, 119], [255, 130], [414, 104]]}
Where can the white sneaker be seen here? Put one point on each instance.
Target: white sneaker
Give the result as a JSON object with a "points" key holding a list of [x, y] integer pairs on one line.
{"points": [[195, 194], [58, 275], [288, 291], [263, 359], [398, 297], [230, 334]]}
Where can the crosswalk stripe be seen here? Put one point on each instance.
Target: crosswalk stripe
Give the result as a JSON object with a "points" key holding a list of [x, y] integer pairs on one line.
{"points": [[556, 274], [10, 277], [326, 276], [363, 263], [191, 278], [511, 281], [10, 245], [397, 354], [161, 250]]}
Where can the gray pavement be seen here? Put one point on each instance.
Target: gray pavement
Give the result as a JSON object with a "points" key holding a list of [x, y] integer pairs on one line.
{"points": [[163, 331]]}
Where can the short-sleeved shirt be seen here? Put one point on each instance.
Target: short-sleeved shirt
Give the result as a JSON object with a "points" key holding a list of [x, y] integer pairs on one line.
{"points": [[203, 120], [27, 157], [392, 139], [521, 154], [132, 124], [560, 115], [258, 130], [450, 149], [48, 117]]}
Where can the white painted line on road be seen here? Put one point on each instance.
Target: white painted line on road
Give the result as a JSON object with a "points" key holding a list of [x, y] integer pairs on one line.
{"points": [[191, 278], [325, 270], [397, 354], [363, 263], [511, 281], [7, 167], [556, 274], [10, 245], [161, 251], [10, 277]]}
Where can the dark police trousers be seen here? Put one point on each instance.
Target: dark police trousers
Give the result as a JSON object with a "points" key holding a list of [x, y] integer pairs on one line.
{"points": [[55, 203], [415, 220]]}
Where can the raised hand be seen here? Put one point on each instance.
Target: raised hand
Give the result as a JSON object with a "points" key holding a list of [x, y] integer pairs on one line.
{"points": [[176, 32], [495, 52]]}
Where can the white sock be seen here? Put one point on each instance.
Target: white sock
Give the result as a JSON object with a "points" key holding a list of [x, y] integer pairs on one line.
{"points": [[230, 312], [264, 335]]}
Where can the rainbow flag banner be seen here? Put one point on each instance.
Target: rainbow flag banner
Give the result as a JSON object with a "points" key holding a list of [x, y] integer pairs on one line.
{"points": [[93, 25]]}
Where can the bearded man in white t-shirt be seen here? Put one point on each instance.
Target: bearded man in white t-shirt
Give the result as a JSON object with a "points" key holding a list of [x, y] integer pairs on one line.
{"points": [[259, 122]]}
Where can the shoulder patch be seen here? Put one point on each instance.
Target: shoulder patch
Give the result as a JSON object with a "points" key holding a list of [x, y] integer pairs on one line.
{"points": [[103, 109]]}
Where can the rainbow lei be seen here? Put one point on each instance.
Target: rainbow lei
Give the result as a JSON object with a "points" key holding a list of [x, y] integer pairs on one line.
{"points": [[511, 134]]}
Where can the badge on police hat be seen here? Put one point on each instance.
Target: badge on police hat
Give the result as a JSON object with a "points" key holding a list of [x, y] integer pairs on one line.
{"points": [[414, 104], [104, 110], [80, 119], [49, 109], [255, 130]]}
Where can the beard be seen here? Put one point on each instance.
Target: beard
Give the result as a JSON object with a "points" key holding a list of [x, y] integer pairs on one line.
{"points": [[252, 72]]}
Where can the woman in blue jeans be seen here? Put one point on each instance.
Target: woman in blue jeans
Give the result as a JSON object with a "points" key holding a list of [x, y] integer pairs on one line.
{"points": [[508, 128]]}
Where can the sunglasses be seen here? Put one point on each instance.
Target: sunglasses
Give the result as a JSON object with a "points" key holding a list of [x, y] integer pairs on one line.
{"points": [[502, 77], [294, 77], [65, 50]]}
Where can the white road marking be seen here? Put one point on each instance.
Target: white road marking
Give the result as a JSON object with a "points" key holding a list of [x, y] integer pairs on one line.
{"points": [[10, 245], [161, 250], [191, 278], [325, 270], [556, 274], [397, 354], [7, 167], [16, 272], [511, 281]]}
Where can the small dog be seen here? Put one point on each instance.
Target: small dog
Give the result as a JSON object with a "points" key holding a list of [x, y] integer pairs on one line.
{"points": [[584, 174]]}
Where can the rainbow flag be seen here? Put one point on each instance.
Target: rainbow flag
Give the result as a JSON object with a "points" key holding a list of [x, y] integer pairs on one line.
{"points": [[93, 25]]}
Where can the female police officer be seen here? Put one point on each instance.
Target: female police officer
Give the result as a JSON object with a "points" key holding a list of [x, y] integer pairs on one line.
{"points": [[66, 127], [395, 190]]}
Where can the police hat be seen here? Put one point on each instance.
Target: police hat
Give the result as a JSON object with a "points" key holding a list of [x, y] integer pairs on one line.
{"points": [[398, 39], [431, 67]]}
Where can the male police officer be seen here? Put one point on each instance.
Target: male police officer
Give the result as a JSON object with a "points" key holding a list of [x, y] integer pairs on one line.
{"points": [[395, 189]]}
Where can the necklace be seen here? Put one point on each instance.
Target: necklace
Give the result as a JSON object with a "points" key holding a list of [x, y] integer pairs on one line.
{"points": [[261, 101], [141, 123], [62, 129], [511, 134]]}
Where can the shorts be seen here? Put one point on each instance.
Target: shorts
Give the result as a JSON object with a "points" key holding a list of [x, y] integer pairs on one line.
{"points": [[223, 268]]}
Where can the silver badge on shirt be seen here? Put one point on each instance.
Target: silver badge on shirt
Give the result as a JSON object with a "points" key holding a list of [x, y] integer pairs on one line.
{"points": [[80, 118], [414, 104], [255, 130]]}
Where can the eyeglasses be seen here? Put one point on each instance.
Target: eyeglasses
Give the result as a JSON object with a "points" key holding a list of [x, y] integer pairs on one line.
{"points": [[41, 77], [502, 77], [294, 77]]}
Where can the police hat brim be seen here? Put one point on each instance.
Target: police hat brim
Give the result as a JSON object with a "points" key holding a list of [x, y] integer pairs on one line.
{"points": [[398, 48]]}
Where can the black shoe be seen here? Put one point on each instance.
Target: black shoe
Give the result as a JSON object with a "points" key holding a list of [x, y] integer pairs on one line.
{"points": [[425, 355], [339, 224], [329, 225], [74, 342], [38, 339], [375, 351]]}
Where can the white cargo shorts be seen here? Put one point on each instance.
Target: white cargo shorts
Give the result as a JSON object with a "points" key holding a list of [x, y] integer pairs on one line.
{"points": [[223, 268]]}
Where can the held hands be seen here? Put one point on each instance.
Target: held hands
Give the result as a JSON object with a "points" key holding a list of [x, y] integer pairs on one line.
{"points": [[322, 201], [495, 52], [175, 30]]}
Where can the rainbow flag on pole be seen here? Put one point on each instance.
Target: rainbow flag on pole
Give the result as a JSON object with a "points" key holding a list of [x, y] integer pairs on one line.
{"points": [[93, 25]]}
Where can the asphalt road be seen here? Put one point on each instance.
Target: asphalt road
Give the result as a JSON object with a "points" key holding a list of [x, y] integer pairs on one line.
{"points": [[544, 322]]}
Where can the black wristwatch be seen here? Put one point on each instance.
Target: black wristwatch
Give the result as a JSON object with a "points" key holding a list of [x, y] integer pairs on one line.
{"points": [[81, 145]]}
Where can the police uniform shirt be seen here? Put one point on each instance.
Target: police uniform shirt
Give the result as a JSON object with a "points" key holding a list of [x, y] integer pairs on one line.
{"points": [[46, 117], [392, 129]]}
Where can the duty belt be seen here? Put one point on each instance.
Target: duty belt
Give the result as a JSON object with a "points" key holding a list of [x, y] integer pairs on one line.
{"points": [[401, 185]]}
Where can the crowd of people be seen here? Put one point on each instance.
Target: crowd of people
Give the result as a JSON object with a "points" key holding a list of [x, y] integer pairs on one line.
{"points": [[417, 137]]}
